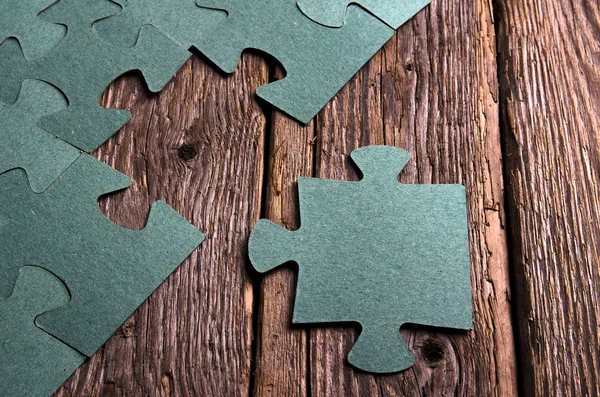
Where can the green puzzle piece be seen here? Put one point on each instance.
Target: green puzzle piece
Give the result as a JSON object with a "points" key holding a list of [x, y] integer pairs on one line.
{"points": [[24, 145], [33, 363], [318, 60], [19, 19], [109, 270], [332, 13], [82, 65], [180, 20], [375, 252]]}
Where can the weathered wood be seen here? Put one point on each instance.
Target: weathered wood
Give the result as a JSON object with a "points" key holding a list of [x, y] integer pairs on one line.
{"points": [[433, 92], [199, 146], [550, 96], [281, 350]]}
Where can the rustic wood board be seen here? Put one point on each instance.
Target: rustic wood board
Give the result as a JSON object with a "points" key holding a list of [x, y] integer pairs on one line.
{"points": [[498, 95], [550, 100]]}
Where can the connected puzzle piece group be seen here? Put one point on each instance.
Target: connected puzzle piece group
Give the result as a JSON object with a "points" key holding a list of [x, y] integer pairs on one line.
{"points": [[69, 277]]}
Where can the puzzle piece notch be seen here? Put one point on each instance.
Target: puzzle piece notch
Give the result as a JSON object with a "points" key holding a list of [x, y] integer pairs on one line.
{"points": [[332, 13], [318, 60], [182, 21], [19, 19], [109, 270], [375, 252], [32, 362], [82, 65], [24, 145]]}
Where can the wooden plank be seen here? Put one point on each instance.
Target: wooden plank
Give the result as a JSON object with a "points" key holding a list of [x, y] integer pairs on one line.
{"points": [[550, 97], [199, 146], [281, 350], [433, 92]]}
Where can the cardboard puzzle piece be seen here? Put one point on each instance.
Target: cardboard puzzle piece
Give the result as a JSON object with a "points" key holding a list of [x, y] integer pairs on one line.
{"points": [[32, 362], [82, 65], [19, 19], [376, 252], [332, 13], [318, 60], [24, 145], [109, 270], [180, 20]]}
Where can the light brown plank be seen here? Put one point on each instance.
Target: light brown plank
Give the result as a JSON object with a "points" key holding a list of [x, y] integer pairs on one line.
{"points": [[199, 146], [550, 98], [433, 92]]}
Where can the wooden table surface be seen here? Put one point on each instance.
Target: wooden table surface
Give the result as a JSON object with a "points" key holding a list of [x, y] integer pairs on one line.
{"points": [[502, 96]]}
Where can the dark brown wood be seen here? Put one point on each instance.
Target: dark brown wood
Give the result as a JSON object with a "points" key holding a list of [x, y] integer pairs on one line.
{"points": [[550, 98]]}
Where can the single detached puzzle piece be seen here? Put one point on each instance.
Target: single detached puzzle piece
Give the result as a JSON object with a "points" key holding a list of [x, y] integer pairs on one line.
{"points": [[24, 145], [32, 362], [180, 20], [109, 270], [376, 252], [19, 19], [82, 65], [332, 13], [318, 60]]}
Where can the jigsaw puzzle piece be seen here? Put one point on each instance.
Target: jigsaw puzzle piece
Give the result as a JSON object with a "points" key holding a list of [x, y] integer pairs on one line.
{"points": [[375, 252], [24, 145], [109, 270], [32, 362], [19, 19], [318, 60], [332, 13], [181, 20], [83, 64]]}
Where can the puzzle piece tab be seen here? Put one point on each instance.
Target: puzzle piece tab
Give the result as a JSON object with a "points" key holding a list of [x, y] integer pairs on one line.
{"points": [[24, 145], [376, 252], [318, 60], [332, 13], [19, 19], [32, 362], [82, 65], [180, 20], [109, 270]]}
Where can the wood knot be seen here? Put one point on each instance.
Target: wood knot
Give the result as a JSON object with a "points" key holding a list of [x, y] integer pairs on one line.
{"points": [[128, 330], [409, 66], [432, 351], [187, 152]]}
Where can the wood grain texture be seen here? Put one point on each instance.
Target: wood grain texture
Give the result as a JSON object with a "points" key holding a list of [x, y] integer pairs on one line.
{"points": [[199, 146], [550, 79], [281, 350]]}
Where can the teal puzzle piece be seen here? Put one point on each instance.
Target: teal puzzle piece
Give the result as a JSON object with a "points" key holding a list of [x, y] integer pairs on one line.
{"points": [[109, 270], [375, 252], [82, 65], [19, 19], [181, 20], [318, 60], [332, 13], [32, 362], [24, 145]]}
